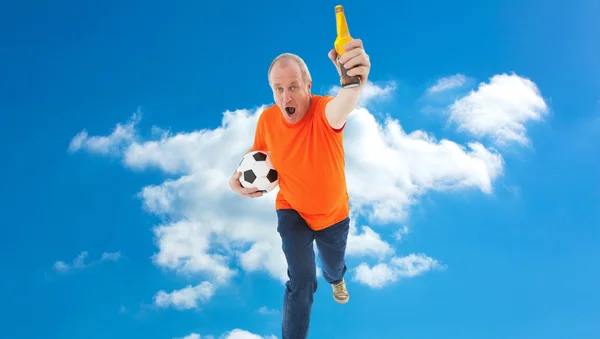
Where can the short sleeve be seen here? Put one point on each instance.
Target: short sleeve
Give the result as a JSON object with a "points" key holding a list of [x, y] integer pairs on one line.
{"points": [[260, 143], [321, 109]]}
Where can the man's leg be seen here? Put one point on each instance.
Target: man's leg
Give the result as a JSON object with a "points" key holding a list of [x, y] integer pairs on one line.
{"points": [[297, 244], [331, 243]]}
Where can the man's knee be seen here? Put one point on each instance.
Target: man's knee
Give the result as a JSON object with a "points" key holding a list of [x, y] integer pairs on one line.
{"points": [[303, 282]]}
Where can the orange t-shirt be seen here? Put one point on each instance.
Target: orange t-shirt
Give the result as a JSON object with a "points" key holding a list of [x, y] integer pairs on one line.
{"points": [[309, 158]]}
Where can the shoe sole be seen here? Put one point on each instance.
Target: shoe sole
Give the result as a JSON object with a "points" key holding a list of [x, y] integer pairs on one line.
{"points": [[341, 301]]}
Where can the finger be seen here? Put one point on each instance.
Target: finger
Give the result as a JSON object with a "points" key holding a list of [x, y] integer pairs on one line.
{"points": [[247, 190], [256, 195], [350, 55], [352, 44], [332, 56], [359, 70], [236, 175], [360, 60], [234, 182]]}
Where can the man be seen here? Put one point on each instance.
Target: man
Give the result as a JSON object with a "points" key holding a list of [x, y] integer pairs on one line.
{"points": [[303, 134]]}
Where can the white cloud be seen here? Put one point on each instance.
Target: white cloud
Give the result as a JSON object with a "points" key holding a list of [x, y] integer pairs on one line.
{"points": [[267, 311], [399, 234], [500, 109], [185, 298], [366, 243], [122, 135], [111, 256], [233, 334], [444, 84], [242, 334], [184, 245], [80, 261], [193, 336], [398, 268], [371, 91], [212, 233], [388, 169]]}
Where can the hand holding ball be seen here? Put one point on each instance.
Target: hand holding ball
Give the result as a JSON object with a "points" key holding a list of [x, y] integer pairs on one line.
{"points": [[255, 175]]}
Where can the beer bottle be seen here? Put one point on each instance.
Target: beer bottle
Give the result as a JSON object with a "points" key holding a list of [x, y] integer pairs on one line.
{"points": [[343, 37]]}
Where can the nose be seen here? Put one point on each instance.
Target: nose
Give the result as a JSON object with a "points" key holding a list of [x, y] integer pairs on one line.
{"points": [[286, 97]]}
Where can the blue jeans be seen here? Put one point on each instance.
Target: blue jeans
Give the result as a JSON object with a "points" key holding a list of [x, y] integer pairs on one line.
{"points": [[297, 244]]}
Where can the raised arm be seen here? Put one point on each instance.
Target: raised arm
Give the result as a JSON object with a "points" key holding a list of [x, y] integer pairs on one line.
{"points": [[357, 62]]}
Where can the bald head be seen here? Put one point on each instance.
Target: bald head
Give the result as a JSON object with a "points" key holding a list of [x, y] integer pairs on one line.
{"points": [[290, 60], [291, 82]]}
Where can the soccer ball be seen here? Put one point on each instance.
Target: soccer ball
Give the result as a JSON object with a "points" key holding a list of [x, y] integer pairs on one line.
{"points": [[258, 172]]}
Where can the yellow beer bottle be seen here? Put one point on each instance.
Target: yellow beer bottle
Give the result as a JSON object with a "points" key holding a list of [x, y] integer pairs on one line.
{"points": [[343, 37]]}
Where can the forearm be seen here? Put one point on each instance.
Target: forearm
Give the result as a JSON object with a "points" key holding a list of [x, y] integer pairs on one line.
{"points": [[342, 105], [347, 99]]}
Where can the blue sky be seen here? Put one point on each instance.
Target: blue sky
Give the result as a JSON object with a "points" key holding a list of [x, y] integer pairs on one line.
{"points": [[498, 241]]}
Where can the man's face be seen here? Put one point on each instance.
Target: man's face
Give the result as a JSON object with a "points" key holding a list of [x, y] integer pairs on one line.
{"points": [[291, 93]]}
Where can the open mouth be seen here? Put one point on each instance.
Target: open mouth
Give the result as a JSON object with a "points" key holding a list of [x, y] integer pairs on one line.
{"points": [[290, 110]]}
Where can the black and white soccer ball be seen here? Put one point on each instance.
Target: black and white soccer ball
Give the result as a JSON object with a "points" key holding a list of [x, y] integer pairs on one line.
{"points": [[258, 172]]}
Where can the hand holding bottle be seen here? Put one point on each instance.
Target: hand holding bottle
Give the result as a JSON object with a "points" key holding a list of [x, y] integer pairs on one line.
{"points": [[348, 54], [355, 62]]}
